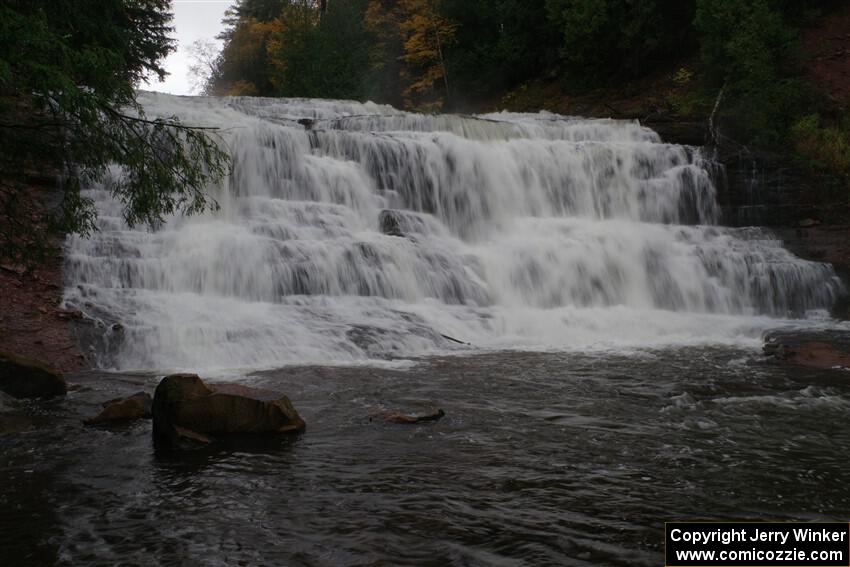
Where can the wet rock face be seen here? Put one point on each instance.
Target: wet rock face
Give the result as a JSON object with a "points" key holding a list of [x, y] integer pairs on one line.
{"points": [[812, 349], [821, 243], [24, 378], [185, 408], [135, 407], [761, 188]]}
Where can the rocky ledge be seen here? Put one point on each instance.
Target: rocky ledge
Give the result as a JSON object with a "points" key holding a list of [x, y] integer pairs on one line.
{"points": [[827, 349]]}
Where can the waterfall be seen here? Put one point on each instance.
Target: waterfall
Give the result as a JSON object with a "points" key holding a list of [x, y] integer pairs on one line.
{"points": [[354, 232]]}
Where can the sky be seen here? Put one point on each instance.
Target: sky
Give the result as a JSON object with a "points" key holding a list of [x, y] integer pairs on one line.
{"points": [[193, 20]]}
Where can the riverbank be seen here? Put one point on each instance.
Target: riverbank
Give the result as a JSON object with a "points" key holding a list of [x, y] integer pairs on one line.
{"points": [[32, 323]]}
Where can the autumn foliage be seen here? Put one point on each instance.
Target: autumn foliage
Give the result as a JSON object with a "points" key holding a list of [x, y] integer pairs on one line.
{"points": [[451, 55], [386, 49], [423, 33]]}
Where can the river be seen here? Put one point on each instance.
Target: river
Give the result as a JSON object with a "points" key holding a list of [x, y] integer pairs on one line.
{"points": [[541, 459]]}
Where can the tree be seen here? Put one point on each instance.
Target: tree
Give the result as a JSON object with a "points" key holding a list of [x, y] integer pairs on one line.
{"points": [[260, 10], [381, 21], [747, 46], [244, 68], [424, 33], [291, 51], [318, 54], [204, 61], [68, 69], [605, 39], [499, 44]]}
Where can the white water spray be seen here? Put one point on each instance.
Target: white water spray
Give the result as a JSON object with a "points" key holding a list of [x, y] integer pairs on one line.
{"points": [[352, 232]]}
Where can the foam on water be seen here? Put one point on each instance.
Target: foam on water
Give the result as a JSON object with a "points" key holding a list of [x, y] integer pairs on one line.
{"points": [[352, 232]]}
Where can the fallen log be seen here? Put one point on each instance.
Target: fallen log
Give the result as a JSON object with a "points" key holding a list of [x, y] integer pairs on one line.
{"points": [[398, 417]]}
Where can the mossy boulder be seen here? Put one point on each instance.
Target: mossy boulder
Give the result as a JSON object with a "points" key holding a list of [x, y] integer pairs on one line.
{"points": [[187, 408], [24, 378]]}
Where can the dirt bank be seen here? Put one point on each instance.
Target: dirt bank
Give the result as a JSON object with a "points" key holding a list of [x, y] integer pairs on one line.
{"points": [[31, 323], [827, 46]]}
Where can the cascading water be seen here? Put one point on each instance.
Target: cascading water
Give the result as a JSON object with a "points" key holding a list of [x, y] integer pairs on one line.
{"points": [[351, 232]]}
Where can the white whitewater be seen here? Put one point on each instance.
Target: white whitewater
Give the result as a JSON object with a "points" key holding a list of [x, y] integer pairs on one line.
{"points": [[505, 231]]}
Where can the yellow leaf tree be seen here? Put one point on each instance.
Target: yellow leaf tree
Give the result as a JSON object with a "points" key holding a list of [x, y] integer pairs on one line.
{"points": [[424, 32]]}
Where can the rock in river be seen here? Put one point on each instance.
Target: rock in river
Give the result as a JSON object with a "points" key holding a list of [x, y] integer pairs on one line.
{"points": [[24, 378], [810, 348], [136, 406], [390, 223], [402, 223], [398, 417], [185, 407]]}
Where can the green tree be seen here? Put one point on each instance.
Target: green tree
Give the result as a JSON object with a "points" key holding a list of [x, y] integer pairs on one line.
{"points": [[605, 39], [747, 45], [68, 69], [315, 54], [499, 44], [381, 20], [244, 67], [261, 10]]}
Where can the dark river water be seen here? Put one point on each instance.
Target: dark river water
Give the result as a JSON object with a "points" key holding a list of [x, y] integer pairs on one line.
{"points": [[541, 459]]}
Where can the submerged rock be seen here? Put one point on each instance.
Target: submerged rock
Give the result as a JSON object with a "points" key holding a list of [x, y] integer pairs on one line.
{"points": [[812, 349], [10, 424], [24, 378], [7, 402], [186, 408], [393, 222], [137, 406], [11, 421], [390, 223], [398, 417]]}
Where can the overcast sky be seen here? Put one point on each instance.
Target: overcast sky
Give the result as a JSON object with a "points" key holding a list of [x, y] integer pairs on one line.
{"points": [[193, 19]]}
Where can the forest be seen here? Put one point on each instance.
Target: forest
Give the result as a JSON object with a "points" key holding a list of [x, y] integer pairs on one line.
{"points": [[468, 55]]}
